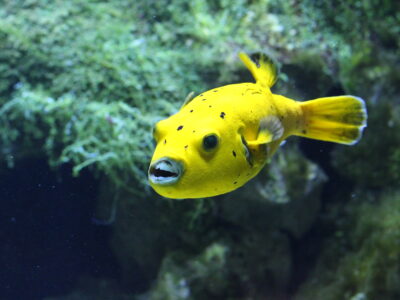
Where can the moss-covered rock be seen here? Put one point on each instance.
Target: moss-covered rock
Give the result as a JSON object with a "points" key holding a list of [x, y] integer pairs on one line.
{"points": [[190, 278], [227, 270], [244, 228], [375, 161], [362, 259], [98, 64], [80, 132], [285, 195], [147, 228], [150, 56]]}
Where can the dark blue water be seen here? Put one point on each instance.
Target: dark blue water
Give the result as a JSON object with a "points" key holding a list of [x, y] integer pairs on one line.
{"points": [[47, 236]]}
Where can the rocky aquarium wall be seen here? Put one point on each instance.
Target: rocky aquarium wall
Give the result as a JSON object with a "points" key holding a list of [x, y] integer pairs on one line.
{"points": [[83, 82]]}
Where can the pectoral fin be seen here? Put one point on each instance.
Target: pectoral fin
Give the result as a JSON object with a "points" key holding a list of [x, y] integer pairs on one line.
{"points": [[271, 129], [188, 98]]}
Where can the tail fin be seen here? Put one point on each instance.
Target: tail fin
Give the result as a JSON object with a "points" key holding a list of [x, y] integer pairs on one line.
{"points": [[338, 119], [264, 69]]}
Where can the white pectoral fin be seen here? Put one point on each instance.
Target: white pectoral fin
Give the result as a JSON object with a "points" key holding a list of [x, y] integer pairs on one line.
{"points": [[188, 98], [271, 129]]}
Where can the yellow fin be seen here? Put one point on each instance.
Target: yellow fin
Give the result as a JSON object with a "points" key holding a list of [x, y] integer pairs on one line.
{"points": [[338, 119], [270, 130], [264, 69]]}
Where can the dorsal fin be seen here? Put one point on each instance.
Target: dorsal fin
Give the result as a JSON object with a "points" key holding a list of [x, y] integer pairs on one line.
{"points": [[265, 71]]}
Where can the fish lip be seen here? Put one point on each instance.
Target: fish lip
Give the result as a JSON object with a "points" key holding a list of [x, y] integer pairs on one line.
{"points": [[165, 171]]}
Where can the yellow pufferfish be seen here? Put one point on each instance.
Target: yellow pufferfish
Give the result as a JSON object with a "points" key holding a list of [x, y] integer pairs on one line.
{"points": [[222, 138]]}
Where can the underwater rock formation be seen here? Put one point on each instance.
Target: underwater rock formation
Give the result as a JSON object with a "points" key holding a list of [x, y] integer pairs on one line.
{"points": [[375, 162], [285, 196], [361, 260], [176, 247]]}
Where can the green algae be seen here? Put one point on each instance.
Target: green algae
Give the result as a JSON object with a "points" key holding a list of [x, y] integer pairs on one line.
{"points": [[150, 57], [362, 259], [80, 132]]}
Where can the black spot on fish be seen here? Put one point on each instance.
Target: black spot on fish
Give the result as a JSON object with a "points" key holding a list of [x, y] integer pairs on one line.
{"points": [[194, 131], [235, 182], [191, 110], [304, 131], [234, 153], [201, 95], [204, 99], [215, 91], [165, 141], [180, 127], [210, 106], [186, 146], [222, 115]]}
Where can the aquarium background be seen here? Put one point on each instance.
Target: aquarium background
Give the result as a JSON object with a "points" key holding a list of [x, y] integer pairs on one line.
{"points": [[81, 85]]}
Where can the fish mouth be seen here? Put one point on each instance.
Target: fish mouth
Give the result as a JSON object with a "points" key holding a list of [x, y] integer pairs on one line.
{"points": [[165, 171]]}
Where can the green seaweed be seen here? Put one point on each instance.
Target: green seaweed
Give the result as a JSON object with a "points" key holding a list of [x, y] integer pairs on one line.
{"points": [[80, 132]]}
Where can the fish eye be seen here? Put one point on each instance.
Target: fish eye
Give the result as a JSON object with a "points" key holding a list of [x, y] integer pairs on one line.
{"points": [[210, 142]]}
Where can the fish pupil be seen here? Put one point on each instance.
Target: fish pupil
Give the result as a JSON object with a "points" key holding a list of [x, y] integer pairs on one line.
{"points": [[210, 142]]}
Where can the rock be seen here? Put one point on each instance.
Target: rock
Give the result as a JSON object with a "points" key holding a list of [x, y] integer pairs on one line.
{"points": [[361, 260], [285, 195]]}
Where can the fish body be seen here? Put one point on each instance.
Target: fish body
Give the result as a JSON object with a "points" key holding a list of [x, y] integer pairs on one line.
{"points": [[222, 138]]}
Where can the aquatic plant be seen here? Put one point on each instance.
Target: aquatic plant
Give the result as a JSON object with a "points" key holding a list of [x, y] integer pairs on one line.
{"points": [[80, 132]]}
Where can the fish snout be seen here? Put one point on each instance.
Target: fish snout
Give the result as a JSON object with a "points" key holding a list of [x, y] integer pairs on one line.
{"points": [[165, 171]]}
